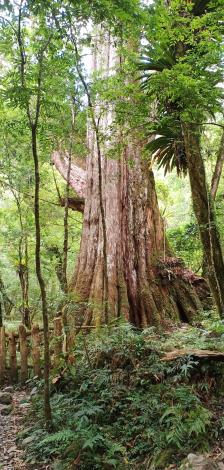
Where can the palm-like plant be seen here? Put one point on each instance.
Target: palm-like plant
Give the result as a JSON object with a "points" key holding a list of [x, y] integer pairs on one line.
{"points": [[168, 149], [149, 66]]}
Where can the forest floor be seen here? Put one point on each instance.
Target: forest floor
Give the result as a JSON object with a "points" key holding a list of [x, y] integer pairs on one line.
{"points": [[11, 457], [169, 385]]}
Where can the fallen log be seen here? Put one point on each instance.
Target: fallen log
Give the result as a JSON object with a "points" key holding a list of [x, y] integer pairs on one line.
{"points": [[197, 353]]}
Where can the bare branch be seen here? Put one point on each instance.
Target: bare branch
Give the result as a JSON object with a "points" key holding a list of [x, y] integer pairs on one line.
{"points": [[77, 174]]}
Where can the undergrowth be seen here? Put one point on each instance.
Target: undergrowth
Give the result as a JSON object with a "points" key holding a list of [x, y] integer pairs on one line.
{"points": [[119, 406]]}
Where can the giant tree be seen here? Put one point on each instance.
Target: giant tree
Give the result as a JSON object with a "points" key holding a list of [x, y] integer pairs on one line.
{"points": [[145, 283]]}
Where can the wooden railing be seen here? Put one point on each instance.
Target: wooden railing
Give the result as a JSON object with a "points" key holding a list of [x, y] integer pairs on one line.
{"points": [[21, 352]]}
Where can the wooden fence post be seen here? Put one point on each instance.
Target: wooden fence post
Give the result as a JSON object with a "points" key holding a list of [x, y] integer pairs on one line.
{"points": [[2, 354], [13, 358], [24, 351], [35, 333], [58, 340]]}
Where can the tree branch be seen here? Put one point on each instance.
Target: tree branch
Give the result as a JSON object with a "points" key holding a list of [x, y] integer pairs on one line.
{"points": [[77, 174]]}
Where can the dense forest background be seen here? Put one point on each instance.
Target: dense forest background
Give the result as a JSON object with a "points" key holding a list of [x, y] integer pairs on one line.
{"points": [[62, 123], [111, 230]]}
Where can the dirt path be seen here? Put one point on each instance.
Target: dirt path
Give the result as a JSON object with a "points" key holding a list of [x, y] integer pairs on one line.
{"points": [[11, 458]]}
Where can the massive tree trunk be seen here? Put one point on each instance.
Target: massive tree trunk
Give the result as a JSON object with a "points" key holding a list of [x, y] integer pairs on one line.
{"points": [[147, 285]]}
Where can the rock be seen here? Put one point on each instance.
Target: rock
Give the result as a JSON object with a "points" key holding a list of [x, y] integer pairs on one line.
{"points": [[6, 410], [200, 462], [27, 441], [25, 405], [5, 398], [34, 391], [12, 449], [58, 465], [9, 389], [195, 459]]}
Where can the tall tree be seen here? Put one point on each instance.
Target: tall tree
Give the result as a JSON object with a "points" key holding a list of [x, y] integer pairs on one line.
{"points": [[185, 51], [146, 284], [33, 114], [29, 49]]}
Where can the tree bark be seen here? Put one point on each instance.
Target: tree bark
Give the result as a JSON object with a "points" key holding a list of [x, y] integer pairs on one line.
{"points": [[214, 186], [47, 407], [7, 303], [218, 169], [77, 177], [205, 214], [23, 264], [33, 110], [146, 284], [23, 272]]}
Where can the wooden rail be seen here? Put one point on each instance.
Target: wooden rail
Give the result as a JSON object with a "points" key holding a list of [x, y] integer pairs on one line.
{"points": [[21, 352]]}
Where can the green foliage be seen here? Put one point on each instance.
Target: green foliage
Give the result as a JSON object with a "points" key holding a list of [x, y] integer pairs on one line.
{"points": [[60, 95], [53, 442], [168, 148], [186, 244], [182, 71], [123, 407]]}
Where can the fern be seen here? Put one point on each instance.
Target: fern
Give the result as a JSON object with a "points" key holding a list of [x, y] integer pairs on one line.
{"points": [[131, 405], [65, 436]]}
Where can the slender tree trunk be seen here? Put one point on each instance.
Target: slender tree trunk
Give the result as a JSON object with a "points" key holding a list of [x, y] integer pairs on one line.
{"points": [[26, 290], [65, 244], [218, 169], [1, 314], [214, 186], [205, 214], [24, 281], [23, 268], [7, 303], [33, 120], [47, 407]]}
